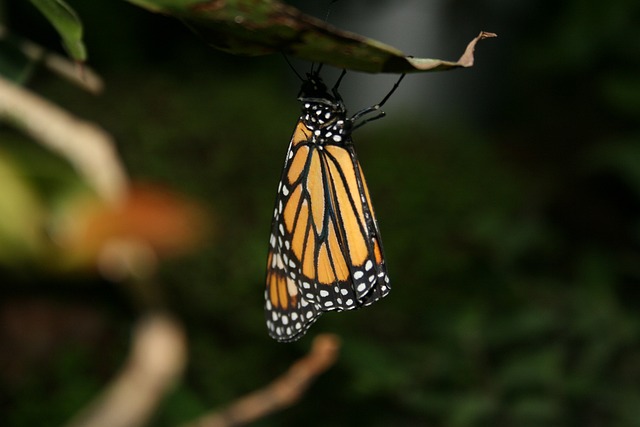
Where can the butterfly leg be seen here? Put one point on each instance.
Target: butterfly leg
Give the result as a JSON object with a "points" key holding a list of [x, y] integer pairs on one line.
{"points": [[376, 107], [334, 89]]}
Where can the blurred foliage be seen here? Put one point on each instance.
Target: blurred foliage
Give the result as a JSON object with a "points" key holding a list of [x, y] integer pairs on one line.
{"points": [[513, 243], [67, 24], [36, 185]]}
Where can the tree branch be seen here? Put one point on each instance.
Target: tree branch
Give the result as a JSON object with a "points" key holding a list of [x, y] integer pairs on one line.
{"points": [[156, 360], [87, 147], [78, 74], [281, 393]]}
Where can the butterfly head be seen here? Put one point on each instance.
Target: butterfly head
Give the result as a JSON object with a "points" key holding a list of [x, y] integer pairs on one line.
{"points": [[314, 88]]}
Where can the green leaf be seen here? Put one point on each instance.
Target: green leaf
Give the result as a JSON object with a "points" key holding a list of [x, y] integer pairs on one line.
{"points": [[259, 27], [67, 23], [14, 64], [22, 225]]}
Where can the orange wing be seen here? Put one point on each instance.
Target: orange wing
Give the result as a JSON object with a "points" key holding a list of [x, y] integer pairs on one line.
{"points": [[325, 251]]}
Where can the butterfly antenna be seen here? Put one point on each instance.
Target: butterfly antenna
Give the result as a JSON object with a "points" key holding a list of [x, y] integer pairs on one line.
{"points": [[326, 18], [292, 67], [317, 70]]}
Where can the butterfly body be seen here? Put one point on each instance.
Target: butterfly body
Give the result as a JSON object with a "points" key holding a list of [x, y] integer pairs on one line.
{"points": [[325, 252]]}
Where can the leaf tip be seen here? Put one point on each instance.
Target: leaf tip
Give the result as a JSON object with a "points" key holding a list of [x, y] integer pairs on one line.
{"points": [[486, 35], [466, 60]]}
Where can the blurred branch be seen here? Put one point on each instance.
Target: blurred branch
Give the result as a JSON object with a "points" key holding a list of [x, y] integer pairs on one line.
{"points": [[78, 74], [282, 392], [156, 360], [87, 147]]}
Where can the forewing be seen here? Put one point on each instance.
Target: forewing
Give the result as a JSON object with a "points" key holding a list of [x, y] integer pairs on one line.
{"points": [[288, 314]]}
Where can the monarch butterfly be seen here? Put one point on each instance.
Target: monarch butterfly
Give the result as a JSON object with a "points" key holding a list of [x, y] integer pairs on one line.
{"points": [[325, 251]]}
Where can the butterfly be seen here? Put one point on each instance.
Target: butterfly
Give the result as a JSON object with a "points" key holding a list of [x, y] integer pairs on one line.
{"points": [[325, 252]]}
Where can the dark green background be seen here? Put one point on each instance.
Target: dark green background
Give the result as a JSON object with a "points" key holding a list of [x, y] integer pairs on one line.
{"points": [[510, 224]]}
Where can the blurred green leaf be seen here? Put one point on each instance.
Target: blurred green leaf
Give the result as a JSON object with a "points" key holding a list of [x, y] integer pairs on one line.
{"points": [[622, 91], [539, 368], [259, 27], [14, 64], [526, 324], [21, 228], [472, 409], [67, 23], [535, 411], [621, 156], [381, 373]]}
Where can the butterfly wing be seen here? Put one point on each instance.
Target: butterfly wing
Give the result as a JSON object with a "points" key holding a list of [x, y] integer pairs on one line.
{"points": [[325, 251], [287, 314], [358, 237]]}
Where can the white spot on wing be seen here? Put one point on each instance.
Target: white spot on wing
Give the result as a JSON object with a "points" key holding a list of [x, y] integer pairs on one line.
{"points": [[292, 288]]}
